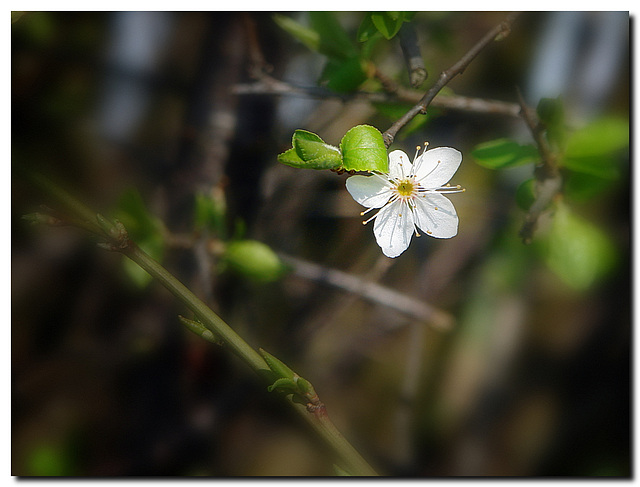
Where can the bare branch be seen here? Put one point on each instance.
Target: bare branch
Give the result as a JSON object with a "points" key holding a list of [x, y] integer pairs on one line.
{"points": [[372, 291], [548, 177], [267, 85], [412, 55], [500, 31]]}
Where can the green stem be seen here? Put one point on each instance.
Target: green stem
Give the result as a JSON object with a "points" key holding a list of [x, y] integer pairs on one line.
{"points": [[319, 421], [200, 309]]}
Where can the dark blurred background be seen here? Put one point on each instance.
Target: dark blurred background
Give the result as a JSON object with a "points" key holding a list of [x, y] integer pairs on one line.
{"points": [[141, 111]]}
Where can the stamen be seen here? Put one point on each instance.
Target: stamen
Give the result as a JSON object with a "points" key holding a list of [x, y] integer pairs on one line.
{"points": [[367, 221], [362, 213], [417, 151]]}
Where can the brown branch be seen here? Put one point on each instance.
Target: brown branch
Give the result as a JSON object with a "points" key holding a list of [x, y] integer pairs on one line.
{"points": [[267, 85], [412, 55], [548, 177], [500, 31], [371, 291]]}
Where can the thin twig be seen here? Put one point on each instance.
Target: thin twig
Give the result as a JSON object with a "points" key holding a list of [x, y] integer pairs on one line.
{"points": [[372, 291], [267, 85], [548, 177], [412, 55], [500, 30]]}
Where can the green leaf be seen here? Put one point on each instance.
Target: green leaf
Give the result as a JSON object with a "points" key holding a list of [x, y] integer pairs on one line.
{"points": [[254, 260], [363, 150], [334, 41], [601, 137], [387, 23], [367, 29], [310, 152], [344, 76], [502, 153], [578, 252]]}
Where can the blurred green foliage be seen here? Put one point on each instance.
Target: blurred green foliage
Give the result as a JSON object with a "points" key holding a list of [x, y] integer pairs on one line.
{"points": [[579, 252], [253, 260], [48, 460]]}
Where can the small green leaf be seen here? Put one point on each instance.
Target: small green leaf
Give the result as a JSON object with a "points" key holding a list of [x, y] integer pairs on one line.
{"points": [[367, 29], [310, 152], [305, 387], [387, 23], [502, 153], [277, 366], [199, 329], [363, 150], [285, 385], [578, 252], [253, 260]]}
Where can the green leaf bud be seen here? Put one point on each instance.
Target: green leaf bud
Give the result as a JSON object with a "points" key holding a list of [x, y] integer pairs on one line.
{"points": [[276, 365], [201, 330], [254, 260], [285, 385]]}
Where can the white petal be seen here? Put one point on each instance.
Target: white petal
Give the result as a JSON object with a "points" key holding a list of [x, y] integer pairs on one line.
{"points": [[435, 215], [437, 166], [399, 165], [393, 228], [369, 191]]}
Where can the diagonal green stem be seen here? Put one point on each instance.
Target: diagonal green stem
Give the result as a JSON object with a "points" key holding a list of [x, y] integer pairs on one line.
{"points": [[319, 420]]}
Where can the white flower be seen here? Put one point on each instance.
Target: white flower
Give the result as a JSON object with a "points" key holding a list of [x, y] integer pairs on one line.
{"points": [[410, 196]]}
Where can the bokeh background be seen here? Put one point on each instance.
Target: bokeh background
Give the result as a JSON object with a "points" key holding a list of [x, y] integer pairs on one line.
{"points": [[156, 117]]}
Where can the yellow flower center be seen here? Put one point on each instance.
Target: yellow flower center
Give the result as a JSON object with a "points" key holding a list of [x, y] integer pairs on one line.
{"points": [[406, 188]]}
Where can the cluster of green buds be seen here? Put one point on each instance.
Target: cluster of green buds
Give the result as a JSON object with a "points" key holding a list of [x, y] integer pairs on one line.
{"points": [[288, 382]]}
